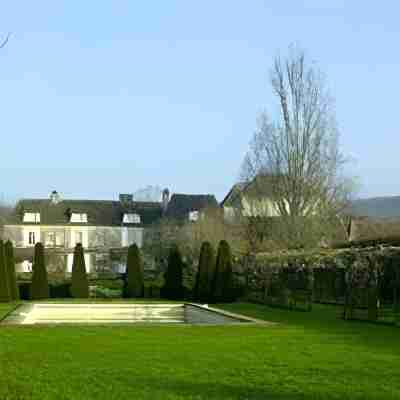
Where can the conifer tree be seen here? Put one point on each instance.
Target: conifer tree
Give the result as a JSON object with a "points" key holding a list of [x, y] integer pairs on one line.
{"points": [[173, 288], [10, 263], [4, 280], [79, 281], [134, 273], [223, 280], [205, 273], [40, 284]]}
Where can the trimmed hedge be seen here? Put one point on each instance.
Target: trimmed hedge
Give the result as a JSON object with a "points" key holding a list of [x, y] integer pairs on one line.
{"points": [[79, 280], [10, 263], [4, 278], [134, 273], [223, 280], [205, 274], [173, 287], [40, 285]]}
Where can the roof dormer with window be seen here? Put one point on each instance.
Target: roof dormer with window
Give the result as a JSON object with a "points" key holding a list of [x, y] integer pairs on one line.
{"points": [[193, 215], [131, 218], [78, 218], [33, 217]]}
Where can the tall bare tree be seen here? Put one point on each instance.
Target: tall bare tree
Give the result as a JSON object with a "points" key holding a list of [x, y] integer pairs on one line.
{"points": [[5, 40], [299, 151]]}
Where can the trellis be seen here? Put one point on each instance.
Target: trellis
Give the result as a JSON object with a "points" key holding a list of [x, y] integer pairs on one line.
{"points": [[365, 281]]}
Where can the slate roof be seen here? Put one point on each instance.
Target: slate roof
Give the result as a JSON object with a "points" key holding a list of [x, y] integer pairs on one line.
{"points": [[99, 212], [180, 205], [259, 187]]}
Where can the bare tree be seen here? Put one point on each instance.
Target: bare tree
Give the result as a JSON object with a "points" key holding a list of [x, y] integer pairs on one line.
{"points": [[189, 236], [5, 41], [298, 151]]}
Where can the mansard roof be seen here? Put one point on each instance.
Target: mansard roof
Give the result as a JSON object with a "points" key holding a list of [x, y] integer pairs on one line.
{"points": [[99, 212], [180, 204]]}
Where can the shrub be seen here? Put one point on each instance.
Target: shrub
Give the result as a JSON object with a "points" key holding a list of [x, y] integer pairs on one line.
{"points": [[40, 285], [79, 281], [134, 273], [112, 284], [60, 290], [205, 273], [10, 263], [223, 280], [173, 287], [24, 290], [106, 293], [4, 278]]}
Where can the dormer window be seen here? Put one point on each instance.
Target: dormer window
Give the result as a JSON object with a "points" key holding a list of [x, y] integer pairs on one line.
{"points": [[78, 218], [193, 216], [131, 218], [31, 217]]}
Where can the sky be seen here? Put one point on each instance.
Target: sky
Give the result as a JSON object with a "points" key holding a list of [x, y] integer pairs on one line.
{"points": [[106, 97]]}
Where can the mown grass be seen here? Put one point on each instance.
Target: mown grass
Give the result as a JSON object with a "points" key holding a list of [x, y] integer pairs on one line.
{"points": [[5, 308], [304, 356]]}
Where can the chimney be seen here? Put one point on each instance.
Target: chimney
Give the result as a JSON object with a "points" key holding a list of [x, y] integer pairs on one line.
{"points": [[165, 199], [125, 198], [55, 197]]}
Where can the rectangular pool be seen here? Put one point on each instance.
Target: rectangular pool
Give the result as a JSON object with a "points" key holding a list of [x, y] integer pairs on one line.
{"points": [[120, 313]]}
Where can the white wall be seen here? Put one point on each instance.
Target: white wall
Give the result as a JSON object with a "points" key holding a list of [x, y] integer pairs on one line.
{"points": [[70, 260], [92, 236], [72, 231]]}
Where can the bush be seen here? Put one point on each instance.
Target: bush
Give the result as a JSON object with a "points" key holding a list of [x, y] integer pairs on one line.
{"points": [[4, 278], [24, 289], [173, 287], [223, 280], [61, 290], [10, 263], [134, 273], [112, 284], [40, 285], [205, 274], [106, 293], [79, 280]]}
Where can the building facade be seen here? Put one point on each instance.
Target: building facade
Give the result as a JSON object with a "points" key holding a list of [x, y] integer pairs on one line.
{"points": [[99, 225]]}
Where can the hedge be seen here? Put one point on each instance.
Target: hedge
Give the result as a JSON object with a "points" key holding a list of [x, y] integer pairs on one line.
{"points": [[40, 286], [134, 273], [79, 279]]}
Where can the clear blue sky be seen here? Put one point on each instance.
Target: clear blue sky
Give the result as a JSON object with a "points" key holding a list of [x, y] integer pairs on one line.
{"points": [[102, 97]]}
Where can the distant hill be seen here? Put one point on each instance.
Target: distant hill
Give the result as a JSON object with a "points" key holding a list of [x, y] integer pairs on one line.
{"points": [[376, 207]]}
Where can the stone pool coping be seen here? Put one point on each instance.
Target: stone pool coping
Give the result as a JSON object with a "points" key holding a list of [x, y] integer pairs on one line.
{"points": [[17, 315]]}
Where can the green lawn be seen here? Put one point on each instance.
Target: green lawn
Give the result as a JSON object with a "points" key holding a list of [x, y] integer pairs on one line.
{"points": [[305, 356], [5, 308]]}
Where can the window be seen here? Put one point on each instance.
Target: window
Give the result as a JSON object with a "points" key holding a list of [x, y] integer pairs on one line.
{"points": [[131, 219], [78, 237], [59, 239], [50, 239], [32, 238], [31, 217], [78, 217], [193, 215]]}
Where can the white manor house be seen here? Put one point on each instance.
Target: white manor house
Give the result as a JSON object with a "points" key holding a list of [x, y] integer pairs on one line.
{"points": [[99, 225]]}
